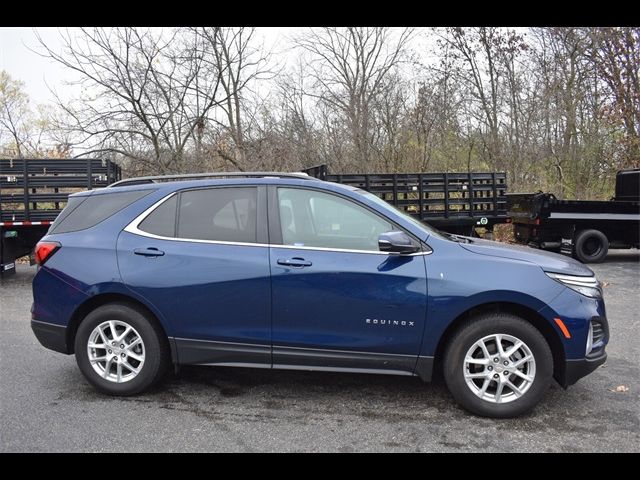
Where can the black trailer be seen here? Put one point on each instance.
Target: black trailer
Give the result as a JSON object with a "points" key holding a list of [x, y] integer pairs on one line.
{"points": [[453, 202], [32, 194], [584, 228]]}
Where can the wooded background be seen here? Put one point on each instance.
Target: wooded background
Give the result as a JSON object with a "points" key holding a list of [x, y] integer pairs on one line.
{"points": [[558, 109]]}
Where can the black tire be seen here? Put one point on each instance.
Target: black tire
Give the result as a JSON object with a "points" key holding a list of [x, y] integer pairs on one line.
{"points": [[479, 327], [590, 246], [157, 354]]}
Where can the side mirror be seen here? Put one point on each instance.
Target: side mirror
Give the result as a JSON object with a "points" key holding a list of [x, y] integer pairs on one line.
{"points": [[396, 242]]}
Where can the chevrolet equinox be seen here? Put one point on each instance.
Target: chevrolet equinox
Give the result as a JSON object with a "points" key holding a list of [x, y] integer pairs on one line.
{"points": [[284, 271]]}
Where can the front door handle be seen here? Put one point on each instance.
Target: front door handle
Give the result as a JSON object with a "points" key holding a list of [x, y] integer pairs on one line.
{"points": [[148, 252], [294, 262]]}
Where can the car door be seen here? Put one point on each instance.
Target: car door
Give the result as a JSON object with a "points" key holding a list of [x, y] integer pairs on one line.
{"points": [[337, 301], [201, 259]]}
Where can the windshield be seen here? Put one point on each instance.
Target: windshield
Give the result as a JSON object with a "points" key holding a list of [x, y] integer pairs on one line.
{"points": [[428, 228]]}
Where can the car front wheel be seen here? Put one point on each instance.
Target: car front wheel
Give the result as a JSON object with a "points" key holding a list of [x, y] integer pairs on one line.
{"points": [[498, 365]]}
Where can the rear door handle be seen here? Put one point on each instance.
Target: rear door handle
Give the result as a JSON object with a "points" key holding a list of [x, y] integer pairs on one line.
{"points": [[294, 262], [148, 252]]}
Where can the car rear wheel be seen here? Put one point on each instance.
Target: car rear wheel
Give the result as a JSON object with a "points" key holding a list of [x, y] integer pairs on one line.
{"points": [[120, 350], [498, 365]]}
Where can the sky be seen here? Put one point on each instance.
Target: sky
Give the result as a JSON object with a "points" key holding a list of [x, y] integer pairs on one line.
{"points": [[23, 64], [18, 47]]}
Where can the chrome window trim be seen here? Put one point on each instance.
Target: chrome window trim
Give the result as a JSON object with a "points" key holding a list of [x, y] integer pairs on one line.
{"points": [[346, 250], [132, 227]]}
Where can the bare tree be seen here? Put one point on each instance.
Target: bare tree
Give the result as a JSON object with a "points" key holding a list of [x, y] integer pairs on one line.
{"points": [[615, 53], [349, 67], [145, 93], [389, 135], [295, 120], [26, 131], [14, 110], [511, 46], [436, 116], [233, 55], [480, 54], [562, 77], [557, 108]]}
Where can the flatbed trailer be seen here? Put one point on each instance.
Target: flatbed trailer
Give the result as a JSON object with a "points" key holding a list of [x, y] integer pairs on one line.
{"points": [[453, 202], [584, 228], [32, 194]]}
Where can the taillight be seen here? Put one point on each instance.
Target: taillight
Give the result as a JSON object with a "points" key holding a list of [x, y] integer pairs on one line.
{"points": [[44, 250]]}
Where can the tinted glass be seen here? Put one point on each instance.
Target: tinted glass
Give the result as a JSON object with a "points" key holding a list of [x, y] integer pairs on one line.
{"points": [[223, 214], [424, 226], [72, 204], [94, 210], [315, 219], [162, 221]]}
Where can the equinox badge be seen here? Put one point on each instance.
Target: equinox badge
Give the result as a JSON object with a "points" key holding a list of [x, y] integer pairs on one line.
{"points": [[400, 323]]}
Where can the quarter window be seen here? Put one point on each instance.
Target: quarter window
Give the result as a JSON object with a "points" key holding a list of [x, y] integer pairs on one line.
{"points": [[222, 214], [314, 219], [85, 212]]}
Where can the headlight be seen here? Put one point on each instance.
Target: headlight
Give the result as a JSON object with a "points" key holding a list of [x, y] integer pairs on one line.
{"points": [[587, 286]]}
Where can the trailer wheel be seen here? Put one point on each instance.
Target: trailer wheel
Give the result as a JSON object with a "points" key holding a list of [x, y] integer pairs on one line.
{"points": [[590, 246]]}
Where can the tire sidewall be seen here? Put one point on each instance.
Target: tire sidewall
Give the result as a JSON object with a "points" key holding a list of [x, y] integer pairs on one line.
{"points": [[489, 325], [582, 238], [152, 346]]}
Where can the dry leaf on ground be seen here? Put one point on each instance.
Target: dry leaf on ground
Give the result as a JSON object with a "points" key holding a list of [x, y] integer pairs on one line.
{"points": [[620, 389]]}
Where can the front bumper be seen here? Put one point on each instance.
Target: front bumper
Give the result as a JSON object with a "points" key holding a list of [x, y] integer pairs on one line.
{"points": [[53, 337], [574, 370]]}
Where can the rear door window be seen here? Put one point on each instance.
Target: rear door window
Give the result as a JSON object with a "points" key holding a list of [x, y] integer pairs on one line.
{"points": [[93, 210], [226, 214], [162, 221]]}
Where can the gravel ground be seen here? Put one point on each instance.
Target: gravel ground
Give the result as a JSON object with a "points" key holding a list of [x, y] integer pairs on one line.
{"points": [[45, 404]]}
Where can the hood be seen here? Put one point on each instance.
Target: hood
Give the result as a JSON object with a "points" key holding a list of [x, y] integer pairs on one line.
{"points": [[548, 261]]}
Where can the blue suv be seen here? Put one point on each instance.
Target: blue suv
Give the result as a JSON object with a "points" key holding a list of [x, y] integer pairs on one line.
{"points": [[286, 271]]}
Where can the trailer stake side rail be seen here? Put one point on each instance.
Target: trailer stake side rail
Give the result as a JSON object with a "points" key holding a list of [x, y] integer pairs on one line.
{"points": [[453, 202], [34, 191]]}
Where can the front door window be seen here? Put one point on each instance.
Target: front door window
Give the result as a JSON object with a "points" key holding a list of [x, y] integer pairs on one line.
{"points": [[309, 218]]}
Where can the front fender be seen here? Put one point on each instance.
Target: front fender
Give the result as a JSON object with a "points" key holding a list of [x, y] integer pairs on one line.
{"points": [[444, 311], [460, 280]]}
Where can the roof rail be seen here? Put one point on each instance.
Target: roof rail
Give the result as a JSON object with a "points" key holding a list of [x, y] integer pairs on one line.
{"points": [[191, 176]]}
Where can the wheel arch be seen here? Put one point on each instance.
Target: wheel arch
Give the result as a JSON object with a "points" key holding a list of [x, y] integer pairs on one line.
{"points": [[521, 311], [99, 300]]}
